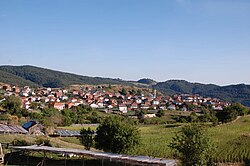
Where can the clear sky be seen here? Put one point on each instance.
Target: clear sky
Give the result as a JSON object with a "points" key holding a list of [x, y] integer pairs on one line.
{"points": [[206, 41]]}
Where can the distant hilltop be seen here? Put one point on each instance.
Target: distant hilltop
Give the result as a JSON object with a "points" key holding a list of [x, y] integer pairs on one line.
{"points": [[41, 77]]}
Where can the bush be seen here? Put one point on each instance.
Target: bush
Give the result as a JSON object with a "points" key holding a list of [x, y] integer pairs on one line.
{"points": [[43, 141], [20, 142], [193, 147]]}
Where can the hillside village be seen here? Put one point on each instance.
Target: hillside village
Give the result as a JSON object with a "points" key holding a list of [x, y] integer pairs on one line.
{"points": [[106, 100]]}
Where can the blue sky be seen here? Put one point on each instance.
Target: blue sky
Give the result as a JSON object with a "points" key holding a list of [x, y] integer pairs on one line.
{"points": [[206, 41]]}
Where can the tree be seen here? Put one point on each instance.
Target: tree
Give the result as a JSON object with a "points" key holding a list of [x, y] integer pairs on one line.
{"points": [[132, 92], [67, 117], [139, 92], [12, 104], [193, 147], [51, 117], [123, 92], [231, 112], [117, 136], [239, 108], [87, 138]]}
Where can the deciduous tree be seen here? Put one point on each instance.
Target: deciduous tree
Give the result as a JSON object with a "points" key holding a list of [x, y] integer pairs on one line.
{"points": [[117, 136], [87, 138], [193, 147]]}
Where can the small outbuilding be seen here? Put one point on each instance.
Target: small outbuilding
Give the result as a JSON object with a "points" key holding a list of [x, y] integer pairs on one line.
{"points": [[33, 127]]}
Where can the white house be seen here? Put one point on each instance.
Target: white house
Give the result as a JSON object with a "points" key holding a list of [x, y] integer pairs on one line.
{"points": [[93, 105], [149, 115], [123, 108]]}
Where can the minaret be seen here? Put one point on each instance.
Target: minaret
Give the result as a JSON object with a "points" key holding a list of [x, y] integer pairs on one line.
{"points": [[154, 93]]}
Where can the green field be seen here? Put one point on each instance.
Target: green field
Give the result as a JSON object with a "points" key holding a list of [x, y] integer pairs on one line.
{"points": [[231, 140], [56, 142], [78, 128]]}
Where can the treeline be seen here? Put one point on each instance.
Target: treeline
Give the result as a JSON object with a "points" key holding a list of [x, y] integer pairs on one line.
{"points": [[232, 93], [85, 114], [36, 76], [226, 115], [49, 117]]}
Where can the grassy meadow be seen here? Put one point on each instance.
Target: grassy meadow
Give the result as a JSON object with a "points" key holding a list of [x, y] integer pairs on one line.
{"points": [[56, 142], [232, 140]]}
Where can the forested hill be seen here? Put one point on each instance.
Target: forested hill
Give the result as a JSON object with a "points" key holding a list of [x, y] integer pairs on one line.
{"points": [[37, 76], [233, 93]]}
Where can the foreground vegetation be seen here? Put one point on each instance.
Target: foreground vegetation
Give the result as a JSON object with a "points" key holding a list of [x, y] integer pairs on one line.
{"points": [[19, 139], [232, 140]]}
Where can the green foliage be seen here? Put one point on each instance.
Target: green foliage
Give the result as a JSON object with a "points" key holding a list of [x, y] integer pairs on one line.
{"points": [[160, 113], [116, 135], [132, 92], [233, 93], [139, 92], [140, 113], [36, 116], [67, 114], [230, 113], [12, 105], [123, 92], [147, 81], [43, 141], [193, 117], [36, 76], [5, 117], [229, 139], [239, 108], [192, 146], [235, 150], [50, 117], [13, 79], [80, 114], [208, 116], [87, 138], [20, 142]]}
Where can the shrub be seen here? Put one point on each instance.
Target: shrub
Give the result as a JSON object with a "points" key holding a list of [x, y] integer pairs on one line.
{"points": [[20, 142], [43, 141]]}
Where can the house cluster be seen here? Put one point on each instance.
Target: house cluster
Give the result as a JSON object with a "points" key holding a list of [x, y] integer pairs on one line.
{"points": [[98, 98]]}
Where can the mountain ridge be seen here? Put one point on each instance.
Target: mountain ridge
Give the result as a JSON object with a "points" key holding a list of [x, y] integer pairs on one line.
{"points": [[52, 78], [38, 76]]}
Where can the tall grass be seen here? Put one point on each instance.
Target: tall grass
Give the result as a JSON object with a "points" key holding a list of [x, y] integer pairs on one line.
{"points": [[233, 144]]}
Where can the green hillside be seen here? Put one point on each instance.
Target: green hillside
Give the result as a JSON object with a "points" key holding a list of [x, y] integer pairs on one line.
{"points": [[233, 93], [232, 140], [49, 78], [147, 81], [36, 76], [12, 79]]}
